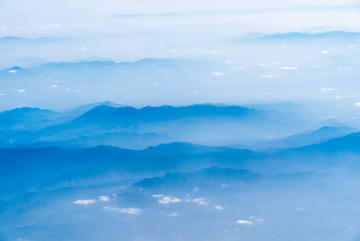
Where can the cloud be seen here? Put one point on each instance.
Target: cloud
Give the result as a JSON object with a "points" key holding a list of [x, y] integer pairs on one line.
{"points": [[21, 90], [85, 202], [157, 195], [132, 211], [325, 51], [219, 207], [215, 52], [200, 201], [327, 90], [268, 76], [168, 200], [255, 219], [195, 189], [289, 68], [357, 104], [54, 86], [2, 94], [245, 222], [218, 74], [173, 214], [12, 71], [104, 198]]}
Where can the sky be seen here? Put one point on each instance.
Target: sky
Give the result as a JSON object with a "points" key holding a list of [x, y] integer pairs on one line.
{"points": [[71, 18], [215, 66]]}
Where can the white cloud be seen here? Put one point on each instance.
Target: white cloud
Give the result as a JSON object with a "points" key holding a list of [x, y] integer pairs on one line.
{"points": [[325, 51], [12, 71], [200, 201], [54, 86], [352, 46], [357, 104], [157, 195], [173, 214], [268, 76], [289, 68], [229, 61], [85, 202], [104, 198], [218, 74], [2, 94], [246, 222], [255, 219], [237, 67], [21, 90], [169, 199], [195, 189], [132, 211], [219, 207], [215, 52], [327, 90]]}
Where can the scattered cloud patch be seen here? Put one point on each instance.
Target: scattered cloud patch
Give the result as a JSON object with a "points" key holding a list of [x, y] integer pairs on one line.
{"points": [[325, 51], [289, 68], [327, 90], [268, 76], [195, 189], [157, 195], [12, 71], [54, 86], [132, 211], [244, 222], [2, 94], [85, 202], [218, 74], [104, 198], [237, 67], [219, 207], [357, 104], [21, 90], [173, 214], [215, 52], [169, 200], [201, 201]]}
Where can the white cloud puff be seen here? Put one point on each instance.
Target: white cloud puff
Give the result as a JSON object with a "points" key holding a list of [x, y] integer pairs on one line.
{"points": [[132, 211], [219, 207], [218, 74], [268, 76], [12, 71], [85, 202], [245, 222], [357, 104], [289, 68], [2, 94], [325, 51], [169, 200], [21, 90], [104, 198], [157, 195], [327, 90], [200, 201], [173, 214]]}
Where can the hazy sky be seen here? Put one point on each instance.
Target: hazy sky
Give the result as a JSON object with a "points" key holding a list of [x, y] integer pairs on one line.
{"points": [[210, 31], [67, 18]]}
